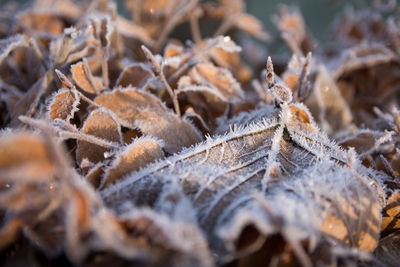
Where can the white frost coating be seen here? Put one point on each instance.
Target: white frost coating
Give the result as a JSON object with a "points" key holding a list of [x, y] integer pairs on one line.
{"points": [[186, 153], [200, 89], [75, 104], [225, 43], [218, 178], [10, 44]]}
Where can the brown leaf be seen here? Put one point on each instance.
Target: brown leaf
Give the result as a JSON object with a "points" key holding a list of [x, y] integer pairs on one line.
{"points": [[391, 212], [11, 43], [133, 157], [327, 103], [252, 26], [287, 160], [24, 155], [63, 105], [388, 249], [126, 102], [83, 77], [175, 131], [219, 79], [45, 23], [135, 75], [100, 124]]}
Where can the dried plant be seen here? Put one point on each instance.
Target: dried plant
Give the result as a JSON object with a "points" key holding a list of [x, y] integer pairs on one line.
{"points": [[125, 143]]}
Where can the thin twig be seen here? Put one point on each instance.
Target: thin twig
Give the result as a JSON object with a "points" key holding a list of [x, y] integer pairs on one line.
{"points": [[160, 73], [44, 126], [270, 73], [195, 29], [302, 87]]}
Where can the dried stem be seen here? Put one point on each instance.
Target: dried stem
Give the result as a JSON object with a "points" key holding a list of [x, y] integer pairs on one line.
{"points": [[270, 73], [160, 73], [64, 80], [302, 88], [194, 28], [44, 126], [172, 22], [104, 67]]}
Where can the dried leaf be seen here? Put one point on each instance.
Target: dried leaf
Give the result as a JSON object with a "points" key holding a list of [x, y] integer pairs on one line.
{"points": [[103, 125], [252, 26], [83, 77], [24, 155], [133, 157], [334, 114], [218, 78], [219, 176], [10, 44], [63, 105], [391, 212], [126, 103], [135, 75], [176, 132], [388, 249]]}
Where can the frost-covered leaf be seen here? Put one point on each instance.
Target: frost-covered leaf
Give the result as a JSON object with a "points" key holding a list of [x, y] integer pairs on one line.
{"points": [[176, 132], [141, 152], [291, 25], [334, 114], [279, 154], [388, 249], [361, 56], [252, 26], [100, 124], [44, 22], [225, 43], [135, 75], [391, 212], [63, 104], [126, 102], [24, 155], [83, 77], [9, 44], [218, 78]]}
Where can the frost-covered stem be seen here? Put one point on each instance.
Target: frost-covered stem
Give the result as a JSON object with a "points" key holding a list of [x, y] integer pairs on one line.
{"points": [[303, 77], [64, 49], [88, 138], [44, 126], [182, 69], [270, 73], [104, 67], [191, 62], [88, 100], [33, 44], [66, 125], [63, 79], [195, 29], [160, 73]]}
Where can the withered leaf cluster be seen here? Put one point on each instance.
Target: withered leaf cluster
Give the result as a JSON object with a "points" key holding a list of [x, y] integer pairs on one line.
{"points": [[125, 141]]}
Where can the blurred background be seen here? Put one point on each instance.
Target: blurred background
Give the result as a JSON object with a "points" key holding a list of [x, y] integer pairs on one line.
{"points": [[318, 14]]}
